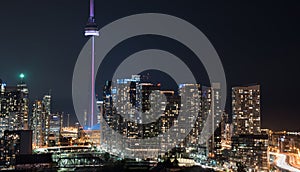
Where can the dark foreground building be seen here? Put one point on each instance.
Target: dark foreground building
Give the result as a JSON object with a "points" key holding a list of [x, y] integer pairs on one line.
{"points": [[251, 150], [14, 143], [33, 161]]}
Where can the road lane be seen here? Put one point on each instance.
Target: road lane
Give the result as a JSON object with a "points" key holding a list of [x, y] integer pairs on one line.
{"points": [[281, 162]]}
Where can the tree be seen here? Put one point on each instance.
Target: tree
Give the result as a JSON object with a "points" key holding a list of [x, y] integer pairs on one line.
{"points": [[175, 162], [106, 156], [240, 167], [167, 163]]}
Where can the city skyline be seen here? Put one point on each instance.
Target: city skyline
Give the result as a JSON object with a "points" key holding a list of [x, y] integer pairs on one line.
{"points": [[256, 37], [244, 137], [153, 86]]}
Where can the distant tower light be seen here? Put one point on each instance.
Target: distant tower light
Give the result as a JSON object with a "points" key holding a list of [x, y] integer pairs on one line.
{"points": [[22, 75]]}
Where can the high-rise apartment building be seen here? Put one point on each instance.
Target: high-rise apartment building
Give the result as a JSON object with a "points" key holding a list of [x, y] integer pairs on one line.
{"points": [[40, 121], [192, 138], [17, 142], [209, 119], [251, 150], [246, 109], [37, 124], [55, 125], [47, 107], [141, 111], [13, 107], [129, 108], [249, 145]]}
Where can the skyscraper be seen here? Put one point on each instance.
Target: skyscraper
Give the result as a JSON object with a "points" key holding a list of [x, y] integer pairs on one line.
{"points": [[17, 142], [249, 145], [140, 110], [14, 107], [23, 106], [210, 112], [193, 136], [40, 121], [246, 109], [55, 125], [47, 107], [251, 150], [37, 123], [128, 109]]}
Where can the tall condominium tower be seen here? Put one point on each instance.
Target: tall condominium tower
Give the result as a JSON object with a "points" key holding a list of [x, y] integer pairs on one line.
{"points": [[47, 105], [211, 107], [55, 125], [246, 109], [40, 121], [193, 136], [142, 111], [124, 103], [208, 120], [37, 123], [249, 145], [13, 107]]}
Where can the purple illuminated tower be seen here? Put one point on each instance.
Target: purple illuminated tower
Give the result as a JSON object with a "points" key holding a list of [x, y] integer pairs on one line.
{"points": [[91, 30]]}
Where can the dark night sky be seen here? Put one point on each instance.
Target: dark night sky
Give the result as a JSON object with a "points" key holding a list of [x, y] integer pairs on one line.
{"points": [[258, 42]]}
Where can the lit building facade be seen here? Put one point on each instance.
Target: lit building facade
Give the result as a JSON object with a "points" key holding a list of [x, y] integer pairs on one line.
{"points": [[13, 107], [249, 146], [126, 111], [55, 125], [246, 109], [140, 111], [100, 112], [224, 126], [47, 108], [284, 142], [192, 138], [40, 121], [169, 120], [210, 115], [37, 124], [252, 151], [69, 132], [17, 142]]}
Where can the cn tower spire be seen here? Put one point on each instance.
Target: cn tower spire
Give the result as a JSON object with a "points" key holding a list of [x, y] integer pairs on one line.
{"points": [[91, 30], [91, 8]]}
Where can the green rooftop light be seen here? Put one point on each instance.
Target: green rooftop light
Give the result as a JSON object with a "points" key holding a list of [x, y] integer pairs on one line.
{"points": [[22, 75]]}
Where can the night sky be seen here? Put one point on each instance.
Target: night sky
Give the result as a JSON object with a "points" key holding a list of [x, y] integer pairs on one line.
{"points": [[258, 42]]}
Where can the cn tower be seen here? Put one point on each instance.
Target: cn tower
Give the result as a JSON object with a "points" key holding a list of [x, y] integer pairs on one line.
{"points": [[91, 30]]}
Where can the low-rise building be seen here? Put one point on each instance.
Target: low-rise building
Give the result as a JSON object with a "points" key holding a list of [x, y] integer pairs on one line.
{"points": [[251, 150]]}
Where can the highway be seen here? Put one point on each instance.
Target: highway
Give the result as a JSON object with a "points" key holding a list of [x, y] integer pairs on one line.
{"points": [[281, 162], [294, 160]]}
